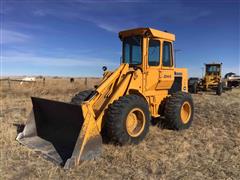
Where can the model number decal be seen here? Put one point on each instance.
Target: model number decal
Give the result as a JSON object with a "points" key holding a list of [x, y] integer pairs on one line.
{"points": [[167, 76], [178, 73]]}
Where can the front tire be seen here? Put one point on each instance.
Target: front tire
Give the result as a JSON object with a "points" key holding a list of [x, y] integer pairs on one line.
{"points": [[127, 120], [219, 89], [179, 111]]}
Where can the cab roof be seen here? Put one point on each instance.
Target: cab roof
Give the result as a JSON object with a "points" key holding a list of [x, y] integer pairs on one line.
{"points": [[149, 32], [213, 64]]}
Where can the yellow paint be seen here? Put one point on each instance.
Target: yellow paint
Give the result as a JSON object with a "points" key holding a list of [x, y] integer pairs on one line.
{"points": [[186, 112], [148, 31], [135, 122]]}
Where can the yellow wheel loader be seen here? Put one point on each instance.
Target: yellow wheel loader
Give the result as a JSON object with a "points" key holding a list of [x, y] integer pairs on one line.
{"points": [[145, 85]]}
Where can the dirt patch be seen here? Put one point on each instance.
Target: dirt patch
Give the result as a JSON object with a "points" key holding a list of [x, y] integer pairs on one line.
{"points": [[210, 149]]}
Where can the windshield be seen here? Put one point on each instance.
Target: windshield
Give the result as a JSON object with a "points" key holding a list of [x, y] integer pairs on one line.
{"points": [[132, 50], [212, 68]]}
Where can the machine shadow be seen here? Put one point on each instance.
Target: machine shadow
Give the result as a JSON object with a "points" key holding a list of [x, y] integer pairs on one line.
{"points": [[161, 123]]}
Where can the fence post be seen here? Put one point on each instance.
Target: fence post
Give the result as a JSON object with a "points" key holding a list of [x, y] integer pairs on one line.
{"points": [[44, 81], [9, 84], [85, 82]]}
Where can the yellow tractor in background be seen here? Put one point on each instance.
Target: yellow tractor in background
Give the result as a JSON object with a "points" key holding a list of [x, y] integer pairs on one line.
{"points": [[212, 80], [145, 85]]}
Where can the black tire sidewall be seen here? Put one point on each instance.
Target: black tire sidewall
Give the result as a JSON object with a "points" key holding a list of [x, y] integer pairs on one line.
{"points": [[219, 89], [80, 97], [144, 108], [179, 121], [173, 110], [115, 122], [195, 85]]}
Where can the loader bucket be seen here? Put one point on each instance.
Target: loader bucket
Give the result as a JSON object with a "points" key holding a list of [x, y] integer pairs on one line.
{"points": [[64, 133]]}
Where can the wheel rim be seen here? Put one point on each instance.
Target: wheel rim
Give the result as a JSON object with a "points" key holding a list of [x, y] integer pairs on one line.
{"points": [[135, 122], [186, 112]]}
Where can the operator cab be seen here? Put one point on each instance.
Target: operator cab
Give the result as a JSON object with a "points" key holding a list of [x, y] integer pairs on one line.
{"points": [[151, 51], [213, 69], [147, 47]]}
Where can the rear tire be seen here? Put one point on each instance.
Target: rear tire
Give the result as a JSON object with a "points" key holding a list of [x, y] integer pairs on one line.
{"points": [[80, 97], [127, 120], [219, 89], [194, 88], [229, 84], [179, 111]]}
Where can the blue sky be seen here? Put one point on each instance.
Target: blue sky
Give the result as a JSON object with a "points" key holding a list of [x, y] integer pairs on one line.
{"points": [[76, 37]]}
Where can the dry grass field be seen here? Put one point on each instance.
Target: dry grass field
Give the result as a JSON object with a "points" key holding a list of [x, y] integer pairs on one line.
{"points": [[210, 149]]}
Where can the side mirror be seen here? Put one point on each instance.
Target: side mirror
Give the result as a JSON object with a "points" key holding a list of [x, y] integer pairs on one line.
{"points": [[104, 68]]}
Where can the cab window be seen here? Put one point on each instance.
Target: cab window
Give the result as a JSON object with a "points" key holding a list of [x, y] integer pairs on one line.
{"points": [[167, 54], [132, 50], [153, 52]]}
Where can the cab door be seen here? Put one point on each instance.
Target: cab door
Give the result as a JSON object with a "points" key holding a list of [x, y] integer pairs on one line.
{"points": [[152, 64], [166, 73]]}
